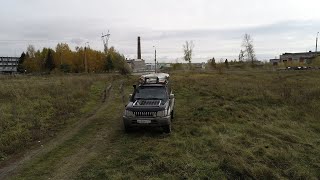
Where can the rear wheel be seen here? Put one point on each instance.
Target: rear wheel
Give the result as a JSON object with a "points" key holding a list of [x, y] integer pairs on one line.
{"points": [[167, 128]]}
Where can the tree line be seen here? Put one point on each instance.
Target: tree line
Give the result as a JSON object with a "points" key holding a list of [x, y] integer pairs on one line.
{"points": [[80, 60], [246, 55]]}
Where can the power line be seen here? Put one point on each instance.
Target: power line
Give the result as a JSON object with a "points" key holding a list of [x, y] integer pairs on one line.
{"points": [[105, 40]]}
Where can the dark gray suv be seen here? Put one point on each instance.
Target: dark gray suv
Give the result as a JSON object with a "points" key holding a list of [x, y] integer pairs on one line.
{"points": [[151, 104]]}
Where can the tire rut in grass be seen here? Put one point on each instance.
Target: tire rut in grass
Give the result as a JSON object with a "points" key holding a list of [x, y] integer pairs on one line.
{"points": [[36, 155], [70, 165]]}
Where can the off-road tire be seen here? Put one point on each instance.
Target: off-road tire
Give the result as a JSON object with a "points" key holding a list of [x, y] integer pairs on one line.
{"points": [[127, 129], [172, 115], [167, 128]]}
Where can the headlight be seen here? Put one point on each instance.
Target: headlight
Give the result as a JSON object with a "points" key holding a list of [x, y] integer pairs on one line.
{"points": [[162, 113], [128, 113]]}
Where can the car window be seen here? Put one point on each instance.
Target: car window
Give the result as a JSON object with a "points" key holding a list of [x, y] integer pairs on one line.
{"points": [[151, 93]]}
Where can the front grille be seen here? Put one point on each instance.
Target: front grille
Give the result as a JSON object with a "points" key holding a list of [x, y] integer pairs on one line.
{"points": [[152, 121], [145, 114]]}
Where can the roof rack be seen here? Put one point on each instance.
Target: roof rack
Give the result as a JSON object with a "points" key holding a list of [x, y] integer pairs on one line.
{"points": [[156, 78]]}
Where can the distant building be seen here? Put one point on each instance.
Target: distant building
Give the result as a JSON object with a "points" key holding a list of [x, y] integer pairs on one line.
{"points": [[9, 64], [275, 62], [297, 57], [199, 65], [150, 66], [164, 65], [137, 64]]}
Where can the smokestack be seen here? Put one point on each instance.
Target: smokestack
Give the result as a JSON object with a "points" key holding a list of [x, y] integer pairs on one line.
{"points": [[139, 48]]}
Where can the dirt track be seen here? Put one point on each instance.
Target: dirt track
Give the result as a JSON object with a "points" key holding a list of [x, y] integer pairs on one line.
{"points": [[67, 165]]}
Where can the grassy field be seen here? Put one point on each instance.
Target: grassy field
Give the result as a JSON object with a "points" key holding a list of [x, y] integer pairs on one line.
{"points": [[36, 108], [228, 125]]}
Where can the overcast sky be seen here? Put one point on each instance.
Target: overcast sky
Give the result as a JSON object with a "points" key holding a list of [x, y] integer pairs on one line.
{"points": [[215, 26]]}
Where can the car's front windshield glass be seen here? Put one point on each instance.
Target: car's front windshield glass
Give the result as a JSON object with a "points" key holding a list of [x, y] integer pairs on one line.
{"points": [[151, 93]]}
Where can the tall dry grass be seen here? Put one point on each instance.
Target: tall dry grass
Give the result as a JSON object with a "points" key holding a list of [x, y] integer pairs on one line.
{"points": [[33, 108], [230, 125]]}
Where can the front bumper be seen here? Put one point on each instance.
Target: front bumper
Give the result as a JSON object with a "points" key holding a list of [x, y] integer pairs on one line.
{"points": [[155, 121]]}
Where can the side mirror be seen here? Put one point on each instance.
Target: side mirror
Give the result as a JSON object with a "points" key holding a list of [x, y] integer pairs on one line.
{"points": [[134, 86], [130, 96], [171, 96]]}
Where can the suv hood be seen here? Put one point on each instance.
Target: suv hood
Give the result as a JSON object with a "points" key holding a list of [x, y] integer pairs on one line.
{"points": [[146, 106]]}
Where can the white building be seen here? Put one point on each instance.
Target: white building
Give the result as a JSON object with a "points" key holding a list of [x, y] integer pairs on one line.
{"points": [[137, 65], [9, 64]]}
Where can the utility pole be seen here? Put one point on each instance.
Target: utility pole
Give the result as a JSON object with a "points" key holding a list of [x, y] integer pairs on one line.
{"points": [[317, 44], [85, 57], [155, 59], [105, 40]]}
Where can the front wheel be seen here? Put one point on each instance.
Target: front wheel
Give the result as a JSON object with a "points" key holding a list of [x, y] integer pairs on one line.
{"points": [[172, 114], [167, 128], [127, 129]]}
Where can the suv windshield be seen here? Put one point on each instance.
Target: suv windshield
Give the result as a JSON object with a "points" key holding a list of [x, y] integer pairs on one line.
{"points": [[151, 93]]}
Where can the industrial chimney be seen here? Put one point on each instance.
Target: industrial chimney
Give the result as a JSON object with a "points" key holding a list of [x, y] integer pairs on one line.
{"points": [[139, 48]]}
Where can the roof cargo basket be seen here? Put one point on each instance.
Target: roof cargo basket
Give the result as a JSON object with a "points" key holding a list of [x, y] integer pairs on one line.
{"points": [[156, 78]]}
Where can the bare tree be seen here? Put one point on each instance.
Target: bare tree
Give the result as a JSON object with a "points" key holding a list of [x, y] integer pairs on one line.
{"points": [[31, 51], [249, 50], [241, 56], [188, 50]]}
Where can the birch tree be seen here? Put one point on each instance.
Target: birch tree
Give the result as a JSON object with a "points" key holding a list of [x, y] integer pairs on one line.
{"points": [[249, 49], [188, 50]]}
